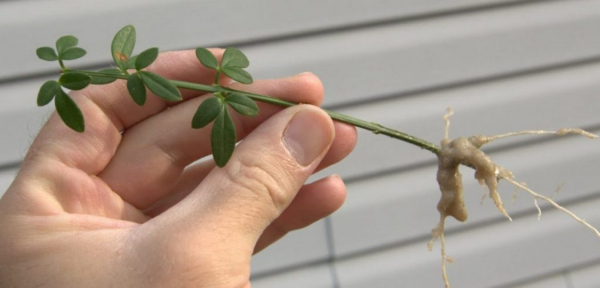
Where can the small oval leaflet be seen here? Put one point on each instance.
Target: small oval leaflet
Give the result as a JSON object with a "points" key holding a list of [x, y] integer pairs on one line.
{"points": [[237, 74], [122, 45], [146, 58], [74, 80], [223, 137], [46, 53], [136, 89], [162, 87], [68, 111], [65, 42], [233, 57], [207, 112], [47, 92], [73, 53], [207, 58], [242, 104]]}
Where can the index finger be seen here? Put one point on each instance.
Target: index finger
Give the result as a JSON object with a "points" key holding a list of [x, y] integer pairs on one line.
{"points": [[108, 110]]}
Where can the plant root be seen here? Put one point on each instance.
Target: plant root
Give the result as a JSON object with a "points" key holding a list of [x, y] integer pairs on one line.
{"points": [[467, 151], [549, 200]]}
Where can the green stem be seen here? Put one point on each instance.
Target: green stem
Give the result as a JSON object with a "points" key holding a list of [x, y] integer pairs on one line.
{"points": [[62, 65], [370, 126], [100, 74]]}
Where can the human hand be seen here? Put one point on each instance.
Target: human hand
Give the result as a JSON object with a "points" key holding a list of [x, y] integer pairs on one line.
{"points": [[118, 206]]}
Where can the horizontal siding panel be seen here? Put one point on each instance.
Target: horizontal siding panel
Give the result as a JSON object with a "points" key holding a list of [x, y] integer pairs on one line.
{"points": [[588, 277], [401, 207], [387, 60], [550, 100], [490, 256], [185, 23], [556, 281], [22, 128], [318, 276], [296, 248]]}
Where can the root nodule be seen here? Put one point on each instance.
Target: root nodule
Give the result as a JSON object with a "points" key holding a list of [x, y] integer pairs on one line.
{"points": [[467, 151]]}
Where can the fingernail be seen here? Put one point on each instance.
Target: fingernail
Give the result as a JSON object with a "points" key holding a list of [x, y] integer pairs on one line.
{"points": [[307, 135], [302, 74]]}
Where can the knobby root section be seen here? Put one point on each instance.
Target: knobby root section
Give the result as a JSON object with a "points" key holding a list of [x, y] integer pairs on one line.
{"points": [[467, 151]]}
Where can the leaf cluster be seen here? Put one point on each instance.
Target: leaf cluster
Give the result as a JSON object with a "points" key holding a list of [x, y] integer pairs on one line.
{"points": [[65, 106], [132, 68], [232, 65], [66, 49], [223, 134], [137, 82]]}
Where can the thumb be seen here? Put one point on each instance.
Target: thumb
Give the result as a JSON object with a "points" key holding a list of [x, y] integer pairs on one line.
{"points": [[237, 202]]}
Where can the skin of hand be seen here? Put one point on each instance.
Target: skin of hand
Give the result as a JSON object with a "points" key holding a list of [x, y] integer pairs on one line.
{"points": [[121, 206]]}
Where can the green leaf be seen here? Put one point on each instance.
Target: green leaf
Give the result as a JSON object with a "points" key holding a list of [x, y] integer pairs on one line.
{"points": [[47, 92], [206, 58], [74, 80], [130, 63], [99, 80], [223, 137], [242, 104], [122, 45], [73, 53], [234, 58], [136, 89], [64, 43], [207, 112], [68, 111], [46, 53], [237, 74], [160, 86], [146, 58]]}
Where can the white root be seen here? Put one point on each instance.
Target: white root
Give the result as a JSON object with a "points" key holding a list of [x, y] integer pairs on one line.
{"points": [[438, 232], [467, 151], [538, 208], [549, 200], [560, 132]]}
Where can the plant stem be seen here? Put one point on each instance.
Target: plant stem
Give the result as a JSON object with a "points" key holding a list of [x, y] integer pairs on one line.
{"points": [[61, 64], [100, 74], [370, 126]]}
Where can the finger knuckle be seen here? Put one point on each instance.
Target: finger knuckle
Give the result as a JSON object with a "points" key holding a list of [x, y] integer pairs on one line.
{"points": [[259, 179]]}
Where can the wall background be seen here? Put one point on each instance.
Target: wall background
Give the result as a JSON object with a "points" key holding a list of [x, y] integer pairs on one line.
{"points": [[503, 65]]}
